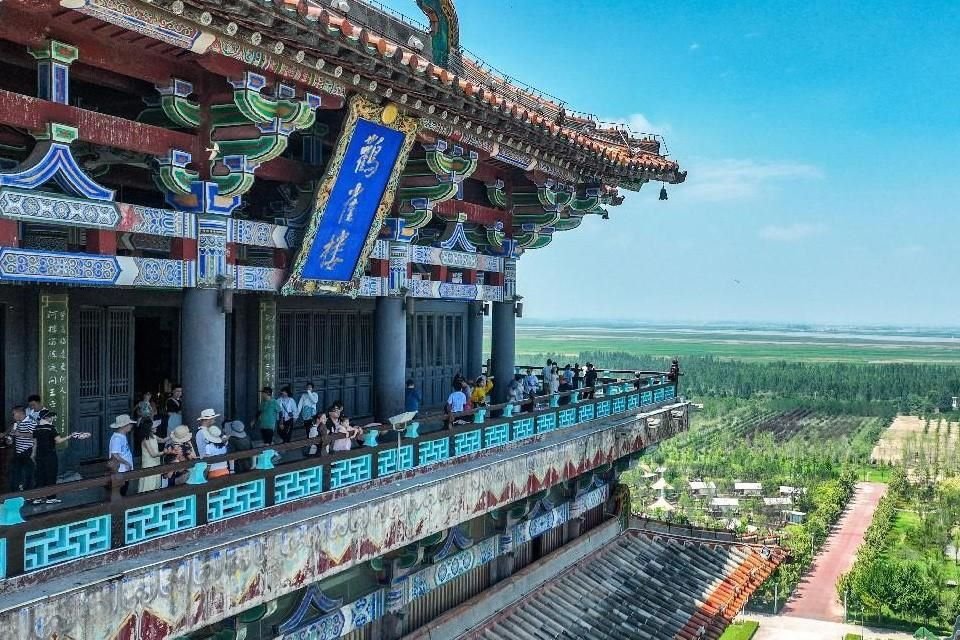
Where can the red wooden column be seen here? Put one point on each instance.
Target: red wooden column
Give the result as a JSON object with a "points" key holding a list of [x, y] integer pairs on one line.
{"points": [[184, 249], [438, 273], [102, 241], [9, 233], [469, 276], [379, 268]]}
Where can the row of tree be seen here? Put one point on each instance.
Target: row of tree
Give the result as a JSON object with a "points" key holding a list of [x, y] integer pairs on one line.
{"points": [[855, 388]]}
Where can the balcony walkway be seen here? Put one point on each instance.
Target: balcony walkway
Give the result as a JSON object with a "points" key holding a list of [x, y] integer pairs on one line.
{"points": [[228, 566]]}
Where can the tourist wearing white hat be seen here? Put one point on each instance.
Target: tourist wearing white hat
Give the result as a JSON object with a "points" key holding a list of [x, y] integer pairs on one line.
{"points": [[215, 447], [208, 417], [121, 458]]}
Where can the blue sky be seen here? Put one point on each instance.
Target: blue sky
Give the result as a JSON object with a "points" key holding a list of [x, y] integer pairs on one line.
{"points": [[820, 139]]}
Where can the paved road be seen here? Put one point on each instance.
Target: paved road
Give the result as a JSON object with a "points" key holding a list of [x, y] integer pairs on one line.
{"points": [[816, 597], [792, 628]]}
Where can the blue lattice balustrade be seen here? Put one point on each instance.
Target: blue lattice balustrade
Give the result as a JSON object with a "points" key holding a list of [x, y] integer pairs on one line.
{"points": [[669, 393], [618, 404], [393, 460], [603, 409], [3, 558], [658, 395], [586, 412], [66, 542], [159, 519], [646, 397], [351, 471], [496, 435], [633, 401], [546, 422], [464, 443], [298, 484], [522, 428], [434, 450], [236, 500], [567, 417]]}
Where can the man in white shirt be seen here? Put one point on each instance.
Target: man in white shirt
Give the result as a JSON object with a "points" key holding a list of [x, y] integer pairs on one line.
{"points": [[530, 383], [120, 453], [208, 418], [457, 400]]}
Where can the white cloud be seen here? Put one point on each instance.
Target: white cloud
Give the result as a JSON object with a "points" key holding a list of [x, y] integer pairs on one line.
{"points": [[694, 46], [740, 179], [791, 232], [639, 123]]}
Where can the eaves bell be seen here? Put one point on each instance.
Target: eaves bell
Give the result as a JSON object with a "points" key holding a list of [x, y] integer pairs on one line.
{"points": [[663, 193]]}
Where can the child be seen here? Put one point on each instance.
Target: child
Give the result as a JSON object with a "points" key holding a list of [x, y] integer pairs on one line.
{"points": [[352, 433]]}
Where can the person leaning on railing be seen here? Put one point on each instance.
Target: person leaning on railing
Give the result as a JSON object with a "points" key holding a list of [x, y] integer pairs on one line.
{"points": [[237, 441]]}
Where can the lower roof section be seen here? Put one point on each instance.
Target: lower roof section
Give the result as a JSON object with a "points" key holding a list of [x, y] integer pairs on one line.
{"points": [[640, 585]]}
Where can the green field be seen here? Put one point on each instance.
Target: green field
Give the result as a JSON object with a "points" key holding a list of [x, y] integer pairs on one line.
{"points": [[740, 345]]}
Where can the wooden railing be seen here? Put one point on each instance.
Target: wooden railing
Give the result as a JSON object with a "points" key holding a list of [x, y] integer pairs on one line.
{"points": [[104, 519]]}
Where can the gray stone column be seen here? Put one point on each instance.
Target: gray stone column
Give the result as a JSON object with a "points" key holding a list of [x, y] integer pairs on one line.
{"points": [[503, 348], [389, 357], [204, 353], [474, 339]]}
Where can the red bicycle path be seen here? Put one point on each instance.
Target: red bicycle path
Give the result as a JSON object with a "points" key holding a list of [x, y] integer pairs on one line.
{"points": [[816, 596]]}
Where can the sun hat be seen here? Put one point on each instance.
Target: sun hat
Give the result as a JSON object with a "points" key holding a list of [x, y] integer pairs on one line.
{"points": [[46, 415], [181, 434], [208, 414], [122, 420], [214, 435], [234, 429]]}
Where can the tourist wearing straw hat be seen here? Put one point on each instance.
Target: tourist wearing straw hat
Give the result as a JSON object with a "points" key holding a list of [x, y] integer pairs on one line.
{"points": [[121, 457], [208, 417], [179, 449]]}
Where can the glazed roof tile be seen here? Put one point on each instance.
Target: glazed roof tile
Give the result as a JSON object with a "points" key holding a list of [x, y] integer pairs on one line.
{"points": [[635, 156], [641, 585]]}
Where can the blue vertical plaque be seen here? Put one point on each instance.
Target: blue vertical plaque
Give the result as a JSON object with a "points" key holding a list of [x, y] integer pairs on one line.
{"points": [[353, 199]]}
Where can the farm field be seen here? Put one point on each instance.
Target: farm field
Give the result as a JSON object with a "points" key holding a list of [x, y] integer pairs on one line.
{"points": [[924, 445], [745, 344]]}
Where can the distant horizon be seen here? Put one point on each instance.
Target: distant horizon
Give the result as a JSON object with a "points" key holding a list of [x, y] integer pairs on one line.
{"points": [[682, 324]]}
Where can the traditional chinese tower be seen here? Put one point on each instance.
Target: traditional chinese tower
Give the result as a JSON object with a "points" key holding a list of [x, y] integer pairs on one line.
{"points": [[254, 192]]}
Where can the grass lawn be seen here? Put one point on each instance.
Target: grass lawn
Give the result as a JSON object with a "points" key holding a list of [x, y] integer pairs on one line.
{"points": [[740, 630]]}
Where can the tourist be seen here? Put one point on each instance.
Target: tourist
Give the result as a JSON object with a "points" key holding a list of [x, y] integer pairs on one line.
{"points": [[151, 453], [179, 449], [307, 405], [530, 383], [121, 457], [546, 372], [174, 410], [145, 408], [456, 402], [566, 385], [267, 415], [458, 380], [515, 392], [34, 407], [20, 435], [480, 395], [638, 380], [207, 419], [334, 411], [215, 446], [577, 376], [590, 380], [412, 398], [350, 434], [238, 440], [568, 375], [554, 378], [288, 415], [47, 437], [317, 429]]}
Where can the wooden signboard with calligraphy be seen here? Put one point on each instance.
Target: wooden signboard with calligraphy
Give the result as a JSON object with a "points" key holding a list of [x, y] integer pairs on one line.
{"points": [[268, 343], [353, 199], [54, 355]]}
